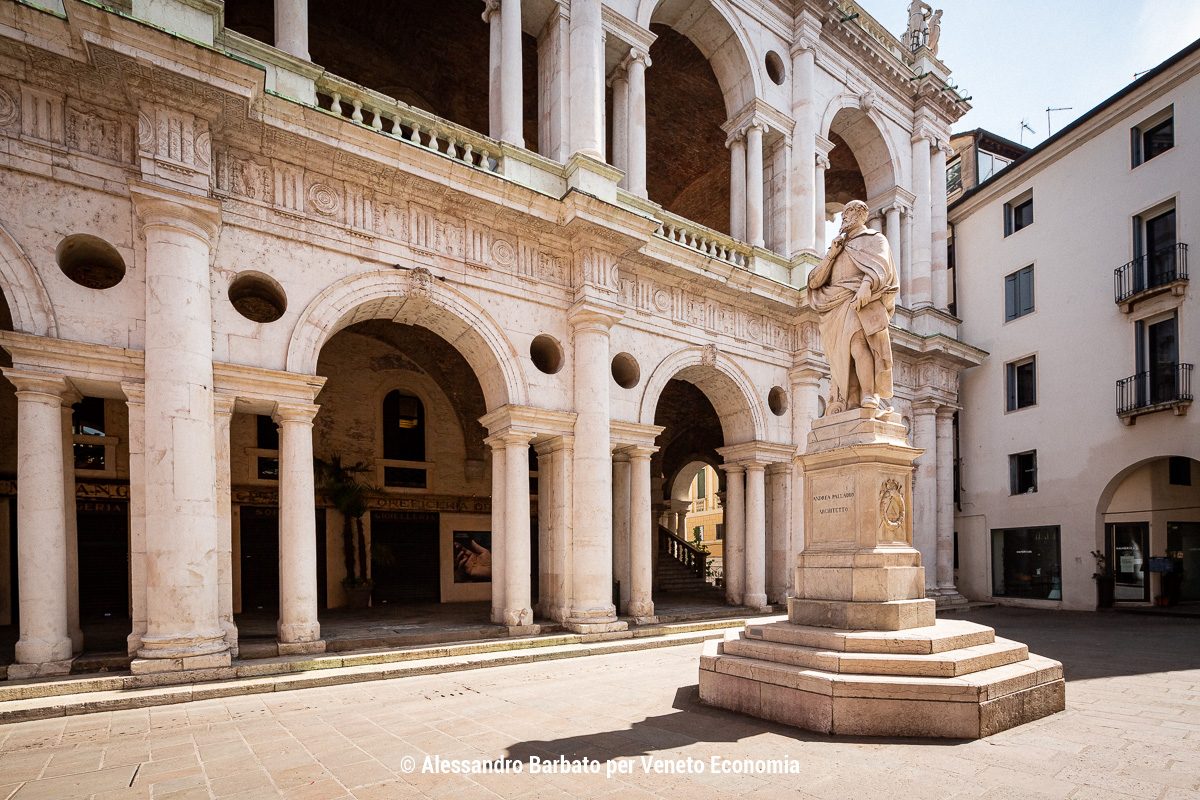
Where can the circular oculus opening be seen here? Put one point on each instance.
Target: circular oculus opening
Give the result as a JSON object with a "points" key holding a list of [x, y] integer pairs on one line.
{"points": [[625, 370], [775, 70], [546, 353], [777, 401], [90, 261], [257, 297]]}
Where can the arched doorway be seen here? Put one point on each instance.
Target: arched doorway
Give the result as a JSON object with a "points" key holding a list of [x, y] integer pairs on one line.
{"points": [[861, 167], [1150, 531]]}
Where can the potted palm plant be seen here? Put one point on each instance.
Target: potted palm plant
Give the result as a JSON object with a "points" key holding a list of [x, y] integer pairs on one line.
{"points": [[347, 494]]}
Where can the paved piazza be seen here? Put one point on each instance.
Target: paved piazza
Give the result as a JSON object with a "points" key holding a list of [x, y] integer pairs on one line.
{"points": [[1131, 729]]}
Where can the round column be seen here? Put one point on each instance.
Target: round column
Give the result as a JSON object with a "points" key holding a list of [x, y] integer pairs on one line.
{"points": [[45, 644], [635, 180], [587, 78], [803, 214], [822, 164], [291, 27], [641, 551], [499, 529], [892, 230], [755, 595], [298, 628], [754, 186], [511, 96], [591, 554], [223, 416], [925, 490], [181, 527], [518, 610], [921, 287], [735, 540], [737, 187], [620, 123], [70, 523], [621, 527], [491, 15], [945, 491], [939, 256]]}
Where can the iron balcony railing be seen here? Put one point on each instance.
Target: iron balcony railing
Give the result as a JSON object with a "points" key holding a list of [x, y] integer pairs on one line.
{"points": [[1156, 268], [1164, 385]]}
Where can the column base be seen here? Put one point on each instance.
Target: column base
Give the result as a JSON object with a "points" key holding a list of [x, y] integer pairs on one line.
{"points": [[733, 599], [298, 632], [646, 620], [39, 651], [949, 598], [517, 617], [150, 666], [754, 600], [46, 669], [590, 627], [301, 648], [524, 630], [231, 636]]}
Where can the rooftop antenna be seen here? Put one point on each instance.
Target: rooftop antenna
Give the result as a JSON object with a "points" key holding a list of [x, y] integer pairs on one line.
{"points": [[1048, 110], [1025, 127]]}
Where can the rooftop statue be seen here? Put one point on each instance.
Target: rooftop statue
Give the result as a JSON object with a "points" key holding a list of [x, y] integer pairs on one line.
{"points": [[854, 291]]}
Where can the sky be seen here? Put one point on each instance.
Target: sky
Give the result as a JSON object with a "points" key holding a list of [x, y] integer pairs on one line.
{"points": [[1015, 58]]}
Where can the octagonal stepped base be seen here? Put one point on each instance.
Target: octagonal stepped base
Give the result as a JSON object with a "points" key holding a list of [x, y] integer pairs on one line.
{"points": [[953, 679]]}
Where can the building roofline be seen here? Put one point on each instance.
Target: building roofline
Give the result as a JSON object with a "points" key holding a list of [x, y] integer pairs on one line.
{"points": [[1079, 121]]}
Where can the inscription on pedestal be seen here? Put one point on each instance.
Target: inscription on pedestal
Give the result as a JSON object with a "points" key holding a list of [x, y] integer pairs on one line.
{"points": [[833, 508]]}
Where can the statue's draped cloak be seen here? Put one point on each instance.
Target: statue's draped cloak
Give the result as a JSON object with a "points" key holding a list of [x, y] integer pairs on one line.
{"points": [[840, 320]]}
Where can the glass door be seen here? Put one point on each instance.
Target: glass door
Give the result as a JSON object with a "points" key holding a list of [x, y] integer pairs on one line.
{"points": [[1160, 248], [1162, 355], [1128, 552], [1183, 542]]}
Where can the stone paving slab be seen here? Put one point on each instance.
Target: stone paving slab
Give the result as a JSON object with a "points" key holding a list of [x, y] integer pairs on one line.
{"points": [[1131, 729]]}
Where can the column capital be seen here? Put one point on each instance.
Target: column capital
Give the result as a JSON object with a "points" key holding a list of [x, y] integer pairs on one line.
{"points": [[294, 412], [734, 467], [636, 55], [779, 468], [561, 442], [755, 466], [490, 7], [640, 452], [736, 136], [805, 375], [509, 438], [946, 411], [135, 392], [587, 315], [922, 133], [821, 161], [926, 405], [223, 403], [162, 208], [29, 382]]}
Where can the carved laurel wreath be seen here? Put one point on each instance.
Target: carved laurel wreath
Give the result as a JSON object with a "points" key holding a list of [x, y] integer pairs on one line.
{"points": [[891, 505]]}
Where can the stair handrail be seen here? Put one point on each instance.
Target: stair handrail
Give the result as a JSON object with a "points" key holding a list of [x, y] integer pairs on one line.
{"points": [[683, 551]]}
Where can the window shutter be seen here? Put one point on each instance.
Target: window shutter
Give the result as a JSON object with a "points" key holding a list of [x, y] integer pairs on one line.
{"points": [[1025, 289], [1010, 297]]}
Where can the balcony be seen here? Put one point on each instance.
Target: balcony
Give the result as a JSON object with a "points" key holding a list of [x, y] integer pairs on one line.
{"points": [[1163, 270], [1166, 386]]}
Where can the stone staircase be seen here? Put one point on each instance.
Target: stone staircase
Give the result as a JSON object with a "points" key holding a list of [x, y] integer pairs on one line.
{"points": [[954, 679], [677, 570]]}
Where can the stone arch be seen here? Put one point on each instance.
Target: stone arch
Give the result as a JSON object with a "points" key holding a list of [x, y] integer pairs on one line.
{"points": [[412, 297], [854, 119], [681, 481], [719, 35], [28, 300], [727, 386], [1108, 493]]}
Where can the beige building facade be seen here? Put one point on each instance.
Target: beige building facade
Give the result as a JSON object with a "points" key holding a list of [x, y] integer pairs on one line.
{"points": [[513, 274], [1075, 436]]}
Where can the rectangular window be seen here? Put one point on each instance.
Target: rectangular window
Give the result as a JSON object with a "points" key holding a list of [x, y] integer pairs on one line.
{"points": [[1018, 213], [267, 433], [700, 476], [1018, 293], [1022, 472], [698, 532], [404, 477], [268, 468], [988, 164], [1026, 563], [89, 456], [1021, 383], [1180, 469], [87, 417], [720, 531], [954, 175], [1153, 137]]}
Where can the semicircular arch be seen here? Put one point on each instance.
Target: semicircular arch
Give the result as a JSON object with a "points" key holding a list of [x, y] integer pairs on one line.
{"points": [[413, 298], [865, 132], [28, 300], [723, 382]]}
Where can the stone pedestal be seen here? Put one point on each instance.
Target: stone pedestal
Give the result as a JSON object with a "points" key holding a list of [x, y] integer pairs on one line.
{"points": [[862, 653]]}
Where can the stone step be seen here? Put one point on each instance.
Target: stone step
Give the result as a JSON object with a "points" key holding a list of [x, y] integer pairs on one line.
{"points": [[946, 664], [967, 706], [944, 635], [54, 697]]}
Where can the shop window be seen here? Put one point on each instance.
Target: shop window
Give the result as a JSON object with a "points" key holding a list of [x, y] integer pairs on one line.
{"points": [[1022, 472], [1026, 563]]}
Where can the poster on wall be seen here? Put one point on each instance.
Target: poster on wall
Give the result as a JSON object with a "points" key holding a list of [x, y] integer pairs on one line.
{"points": [[472, 556]]}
